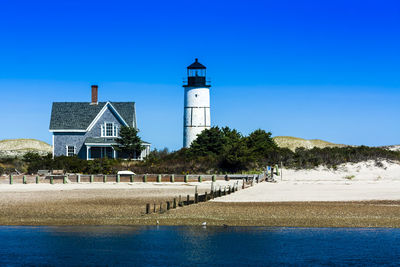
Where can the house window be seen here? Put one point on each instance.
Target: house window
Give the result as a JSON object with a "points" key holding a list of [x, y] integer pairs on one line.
{"points": [[109, 129], [70, 151]]}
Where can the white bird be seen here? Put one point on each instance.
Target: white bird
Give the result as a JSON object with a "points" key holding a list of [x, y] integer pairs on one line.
{"points": [[158, 222], [204, 224]]}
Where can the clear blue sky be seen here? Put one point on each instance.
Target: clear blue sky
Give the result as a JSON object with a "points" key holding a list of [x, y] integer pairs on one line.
{"points": [[311, 69]]}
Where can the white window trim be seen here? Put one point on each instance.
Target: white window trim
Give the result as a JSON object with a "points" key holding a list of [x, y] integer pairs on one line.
{"points": [[101, 114], [66, 149], [115, 129]]}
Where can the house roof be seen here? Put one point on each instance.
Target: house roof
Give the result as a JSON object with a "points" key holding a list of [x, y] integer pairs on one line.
{"points": [[100, 140], [79, 115], [103, 140]]}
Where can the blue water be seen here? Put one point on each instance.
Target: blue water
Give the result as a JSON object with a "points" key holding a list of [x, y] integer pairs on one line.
{"points": [[197, 246]]}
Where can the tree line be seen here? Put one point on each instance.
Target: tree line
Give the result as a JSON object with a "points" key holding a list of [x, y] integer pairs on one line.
{"points": [[216, 150], [225, 150]]}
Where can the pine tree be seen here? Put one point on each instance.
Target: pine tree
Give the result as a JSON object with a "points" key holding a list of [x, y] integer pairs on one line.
{"points": [[129, 142]]}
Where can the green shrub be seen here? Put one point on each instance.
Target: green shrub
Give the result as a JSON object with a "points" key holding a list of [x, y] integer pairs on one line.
{"points": [[225, 150], [349, 177], [217, 150]]}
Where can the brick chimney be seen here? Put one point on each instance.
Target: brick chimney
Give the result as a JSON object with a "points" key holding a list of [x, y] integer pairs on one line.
{"points": [[95, 90]]}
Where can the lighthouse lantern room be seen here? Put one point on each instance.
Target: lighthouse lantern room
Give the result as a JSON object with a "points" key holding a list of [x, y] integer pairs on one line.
{"points": [[197, 103]]}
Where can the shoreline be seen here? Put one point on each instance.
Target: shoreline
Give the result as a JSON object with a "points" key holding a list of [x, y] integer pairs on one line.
{"points": [[127, 207], [305, 216]]}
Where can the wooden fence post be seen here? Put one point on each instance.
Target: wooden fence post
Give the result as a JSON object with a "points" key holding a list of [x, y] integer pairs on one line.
{"points": [[145, 178], [24, 179], [205, 197], [159, 178], [172, 178], [37, 179], [147, 208], [174, 205], [186, 178], [196, 198], [91, 178], [168, 205], [187, 200], [132, 178], [154, 208], [219, 192], [160, 207], [11, 179]]}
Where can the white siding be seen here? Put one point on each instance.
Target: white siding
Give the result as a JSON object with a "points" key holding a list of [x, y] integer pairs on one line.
{"points": [[197, 116]]}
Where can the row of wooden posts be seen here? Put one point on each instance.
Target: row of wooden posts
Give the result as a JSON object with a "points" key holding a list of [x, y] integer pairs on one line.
{"points": [[37, 179], [24, 179], [179, 202], [118, 178]]}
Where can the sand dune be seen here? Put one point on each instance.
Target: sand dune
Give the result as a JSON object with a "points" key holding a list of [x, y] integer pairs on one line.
{"points": [[295, 142], [18, 147]]}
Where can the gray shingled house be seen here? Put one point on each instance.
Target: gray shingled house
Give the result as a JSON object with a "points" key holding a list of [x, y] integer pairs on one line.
{"points": [[89, 129]]}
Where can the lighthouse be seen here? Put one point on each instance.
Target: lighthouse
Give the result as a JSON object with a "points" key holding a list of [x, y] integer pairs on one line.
{"points": [[197, 103]]}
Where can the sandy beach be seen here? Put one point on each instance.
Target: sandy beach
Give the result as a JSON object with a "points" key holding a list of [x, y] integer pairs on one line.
{"points": [[355, 195], [85, 203], [289, 191]]}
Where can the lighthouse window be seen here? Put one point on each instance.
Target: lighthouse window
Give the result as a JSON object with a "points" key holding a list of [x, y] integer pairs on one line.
{"points": [[197, 73]]}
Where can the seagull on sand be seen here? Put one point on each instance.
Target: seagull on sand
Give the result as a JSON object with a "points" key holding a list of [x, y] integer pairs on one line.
{"points": [[204, 224], [157, 222]]}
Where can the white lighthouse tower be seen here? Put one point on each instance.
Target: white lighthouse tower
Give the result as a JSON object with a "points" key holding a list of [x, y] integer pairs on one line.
{"points": [[197, 103]]}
